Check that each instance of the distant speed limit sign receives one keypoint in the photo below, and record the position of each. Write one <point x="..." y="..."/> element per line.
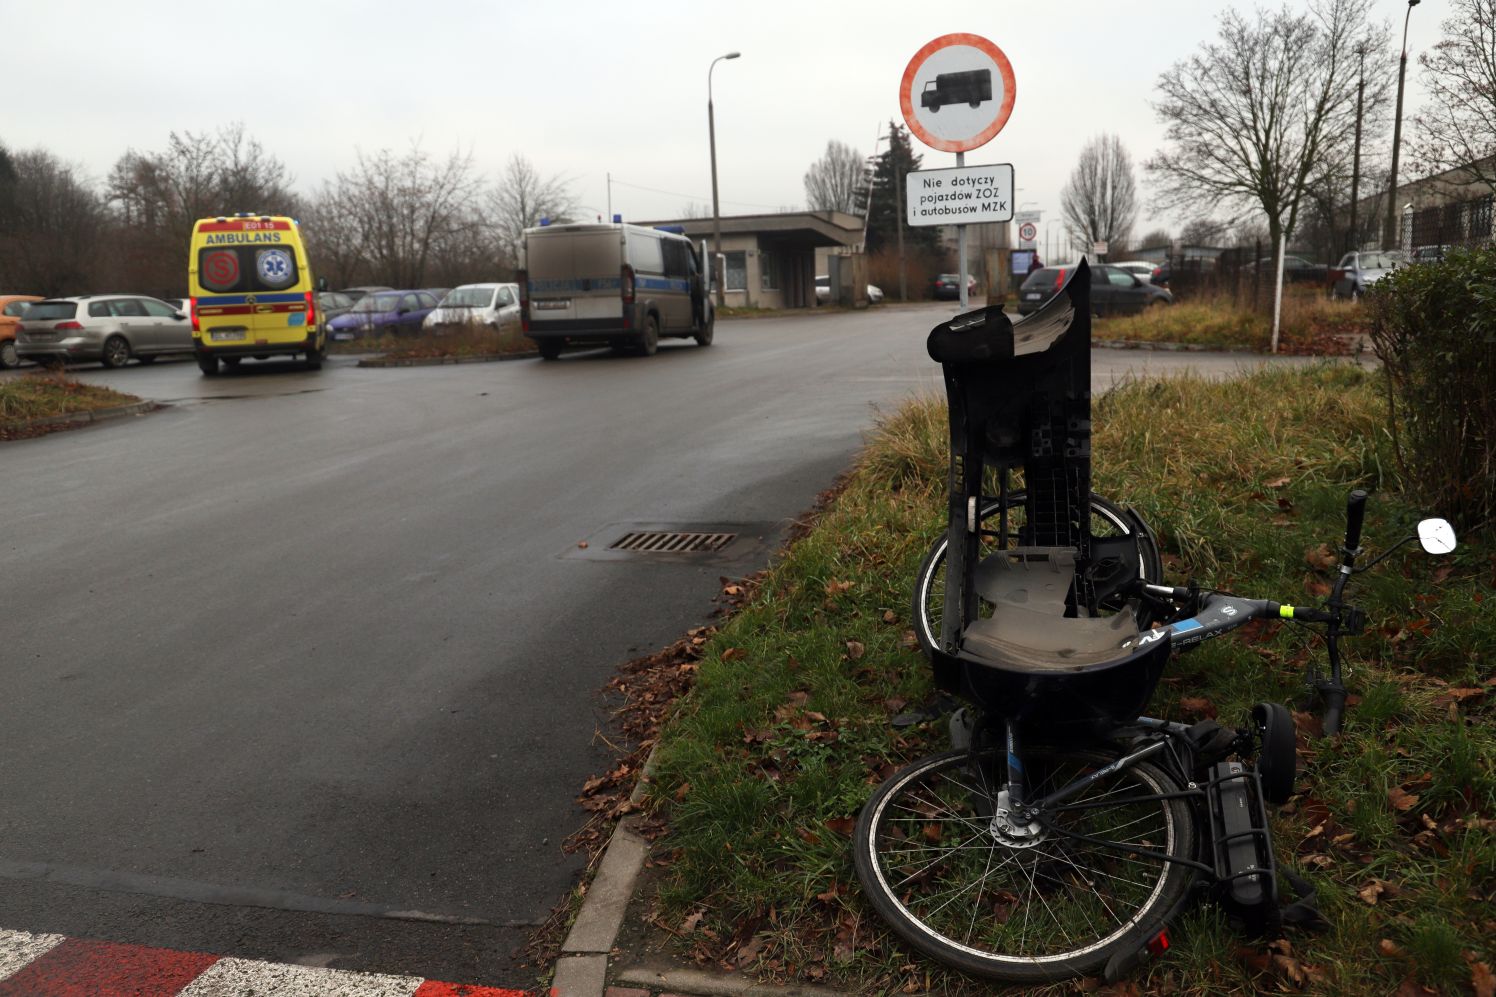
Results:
<point x="1028" y="231"/>
<point x="957" y="92"/>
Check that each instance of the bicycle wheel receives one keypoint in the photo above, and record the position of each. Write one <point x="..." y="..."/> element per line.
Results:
<point x="1107" y="520"/>
<point x="941" y="864"/>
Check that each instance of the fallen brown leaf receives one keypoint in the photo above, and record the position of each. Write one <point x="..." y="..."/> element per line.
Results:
<point x="1321" y="558"/>
<point x="1390" y="948"/>
<point x="855" y="649"/>
<point x="1276" y="482"/>
<point x="843" y="826"/>
<point x="582" y="544"/>
<point x="889" y="616"/>
<point x="1198" y="706"/>
<point x="1401" y="800"/>
<point x="1481" y="978"/>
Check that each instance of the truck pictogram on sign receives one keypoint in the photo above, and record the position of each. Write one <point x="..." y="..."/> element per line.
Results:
<point x="970" y="87"/>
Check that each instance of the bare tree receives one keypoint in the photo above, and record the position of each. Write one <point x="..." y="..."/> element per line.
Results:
<point x="832" y="182"/>
<point x="156" y="197"/>
<point x="1100" y="200"/>
<point x="1252" y="116"/>
<point x="1154" y="239"/>
<point x="1456" y="128"/>
<point x="52" y="230"/>
<point x="396" y="210"/>
<point x="522" y="198"/>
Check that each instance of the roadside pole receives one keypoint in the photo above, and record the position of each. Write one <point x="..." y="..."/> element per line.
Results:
<point x="961" y="243"/>
<point x="1278" y="295"/>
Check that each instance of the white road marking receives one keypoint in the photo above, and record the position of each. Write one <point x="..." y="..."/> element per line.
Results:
<point x="248" y="978"/>
<point x="17" y="948"/>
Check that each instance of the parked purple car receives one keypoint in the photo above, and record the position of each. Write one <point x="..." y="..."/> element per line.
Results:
<point x="399" y="312"/>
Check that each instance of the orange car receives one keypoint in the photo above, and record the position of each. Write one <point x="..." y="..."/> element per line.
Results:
<point x="12" y="308"/>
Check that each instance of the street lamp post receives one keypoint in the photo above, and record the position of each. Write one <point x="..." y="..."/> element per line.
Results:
<point x="711" y="125"/>
<point x="1402" y="70"/>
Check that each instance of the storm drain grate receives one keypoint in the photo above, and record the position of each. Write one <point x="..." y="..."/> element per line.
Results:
<point x="662" y="542"/>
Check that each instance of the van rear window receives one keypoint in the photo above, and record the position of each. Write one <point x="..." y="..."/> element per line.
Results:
<point x="226" y="269"/>
<point x="51" y="311"/>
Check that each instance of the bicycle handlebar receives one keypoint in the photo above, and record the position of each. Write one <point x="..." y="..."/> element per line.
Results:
<point x="1355" y="512"/>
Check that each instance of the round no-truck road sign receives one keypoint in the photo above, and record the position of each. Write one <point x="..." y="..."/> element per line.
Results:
<point x="1028" y="231"/>
<point x="957" y="92"/>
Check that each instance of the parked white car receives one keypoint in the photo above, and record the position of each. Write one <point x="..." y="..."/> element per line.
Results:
<point x="494" y="305"/>
<point x="823" y="291"/>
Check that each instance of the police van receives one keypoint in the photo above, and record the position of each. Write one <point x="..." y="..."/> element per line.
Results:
<point x="618" y="285"/>
<point x="252" y="292"/>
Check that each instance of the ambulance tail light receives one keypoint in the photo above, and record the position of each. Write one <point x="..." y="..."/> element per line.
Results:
<point x="522" y="277"/>
<point x="628" y="284"/>
<point x="192" y="313"/>
<point x="1059" y="281"/>
<point x="311" y="311"/>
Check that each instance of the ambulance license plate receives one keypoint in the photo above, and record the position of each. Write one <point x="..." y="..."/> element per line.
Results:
<point x="219" y="335"/>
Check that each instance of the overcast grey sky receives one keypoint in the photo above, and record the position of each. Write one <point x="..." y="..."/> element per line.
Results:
<point x="589" y="88"/>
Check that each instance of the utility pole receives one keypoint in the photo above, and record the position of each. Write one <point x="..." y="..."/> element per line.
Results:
<point x="898" y="186"/>
<point x="1353" y="241"/>
<point x="1394" y="238"/>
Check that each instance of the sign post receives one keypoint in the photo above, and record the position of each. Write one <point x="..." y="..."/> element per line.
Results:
<point x="964" y="88"/>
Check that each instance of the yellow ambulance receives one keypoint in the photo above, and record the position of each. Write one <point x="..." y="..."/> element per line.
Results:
<point x="252" y="292"/>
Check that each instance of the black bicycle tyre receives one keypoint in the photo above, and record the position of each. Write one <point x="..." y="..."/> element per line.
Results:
<point x="1277" y="752"/>
<point x="1150" y="566"/>
<point x="1163" y="896"/>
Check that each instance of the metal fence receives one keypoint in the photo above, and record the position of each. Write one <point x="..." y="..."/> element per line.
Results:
<point x="1461" y="223"/>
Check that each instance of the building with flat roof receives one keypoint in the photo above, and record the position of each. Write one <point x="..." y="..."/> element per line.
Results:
<point x="770" y="259"/>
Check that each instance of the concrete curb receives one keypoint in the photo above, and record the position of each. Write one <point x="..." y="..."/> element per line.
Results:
<point x="1144" y="344"/>
<point x="442" y="361"/>
<point x="678" y="980"/>
<point x="91" y="415"/>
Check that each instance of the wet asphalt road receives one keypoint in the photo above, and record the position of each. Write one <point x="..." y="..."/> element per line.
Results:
<point x="306" y="649"/>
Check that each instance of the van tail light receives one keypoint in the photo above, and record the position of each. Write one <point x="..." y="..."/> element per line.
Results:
<point x="68" y="327"/>
<point x="311" y="311"/>
<point x="192" y="314"/>
<point x="628" y="284"/>
<point x="523" y="279"/>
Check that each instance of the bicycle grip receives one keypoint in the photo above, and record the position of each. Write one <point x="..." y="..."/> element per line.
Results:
<point x="1355" y="512"/>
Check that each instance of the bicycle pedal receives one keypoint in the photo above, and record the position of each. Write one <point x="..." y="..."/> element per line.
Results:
<point x="1243" y="844"/>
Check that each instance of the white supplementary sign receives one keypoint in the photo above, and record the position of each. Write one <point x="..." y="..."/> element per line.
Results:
<point x="957" y="92"/>
<point x="964" y="195"/>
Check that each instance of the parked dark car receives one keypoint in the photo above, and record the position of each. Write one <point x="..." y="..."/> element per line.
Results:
<point x="1114" y="291"/>
<point x="331" y="304"/>
<point x="383" y="311"/>
<point x="1296" y="270"/>
<point x="947" y="286"/>
<point x="357" y="293"/>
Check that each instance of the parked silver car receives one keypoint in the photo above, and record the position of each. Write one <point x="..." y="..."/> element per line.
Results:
<point x="109" y="328"/>
<point x="1357" y="271"/>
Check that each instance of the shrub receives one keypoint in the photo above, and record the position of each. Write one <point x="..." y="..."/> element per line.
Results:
<point x="1434" y="329"/>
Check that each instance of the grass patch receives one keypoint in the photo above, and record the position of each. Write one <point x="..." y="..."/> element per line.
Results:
<point x="1311" y="324"/>
<point x="446" y="341"/>
<point x="786" y="732"/>
<point x="39" y="394"/>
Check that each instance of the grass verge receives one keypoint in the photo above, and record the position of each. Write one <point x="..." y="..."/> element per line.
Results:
<point x="1311" y="325"/>
<point x="40" y="394"/>
<point x="765" y="764"/>
<point x="447" y="341"/>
